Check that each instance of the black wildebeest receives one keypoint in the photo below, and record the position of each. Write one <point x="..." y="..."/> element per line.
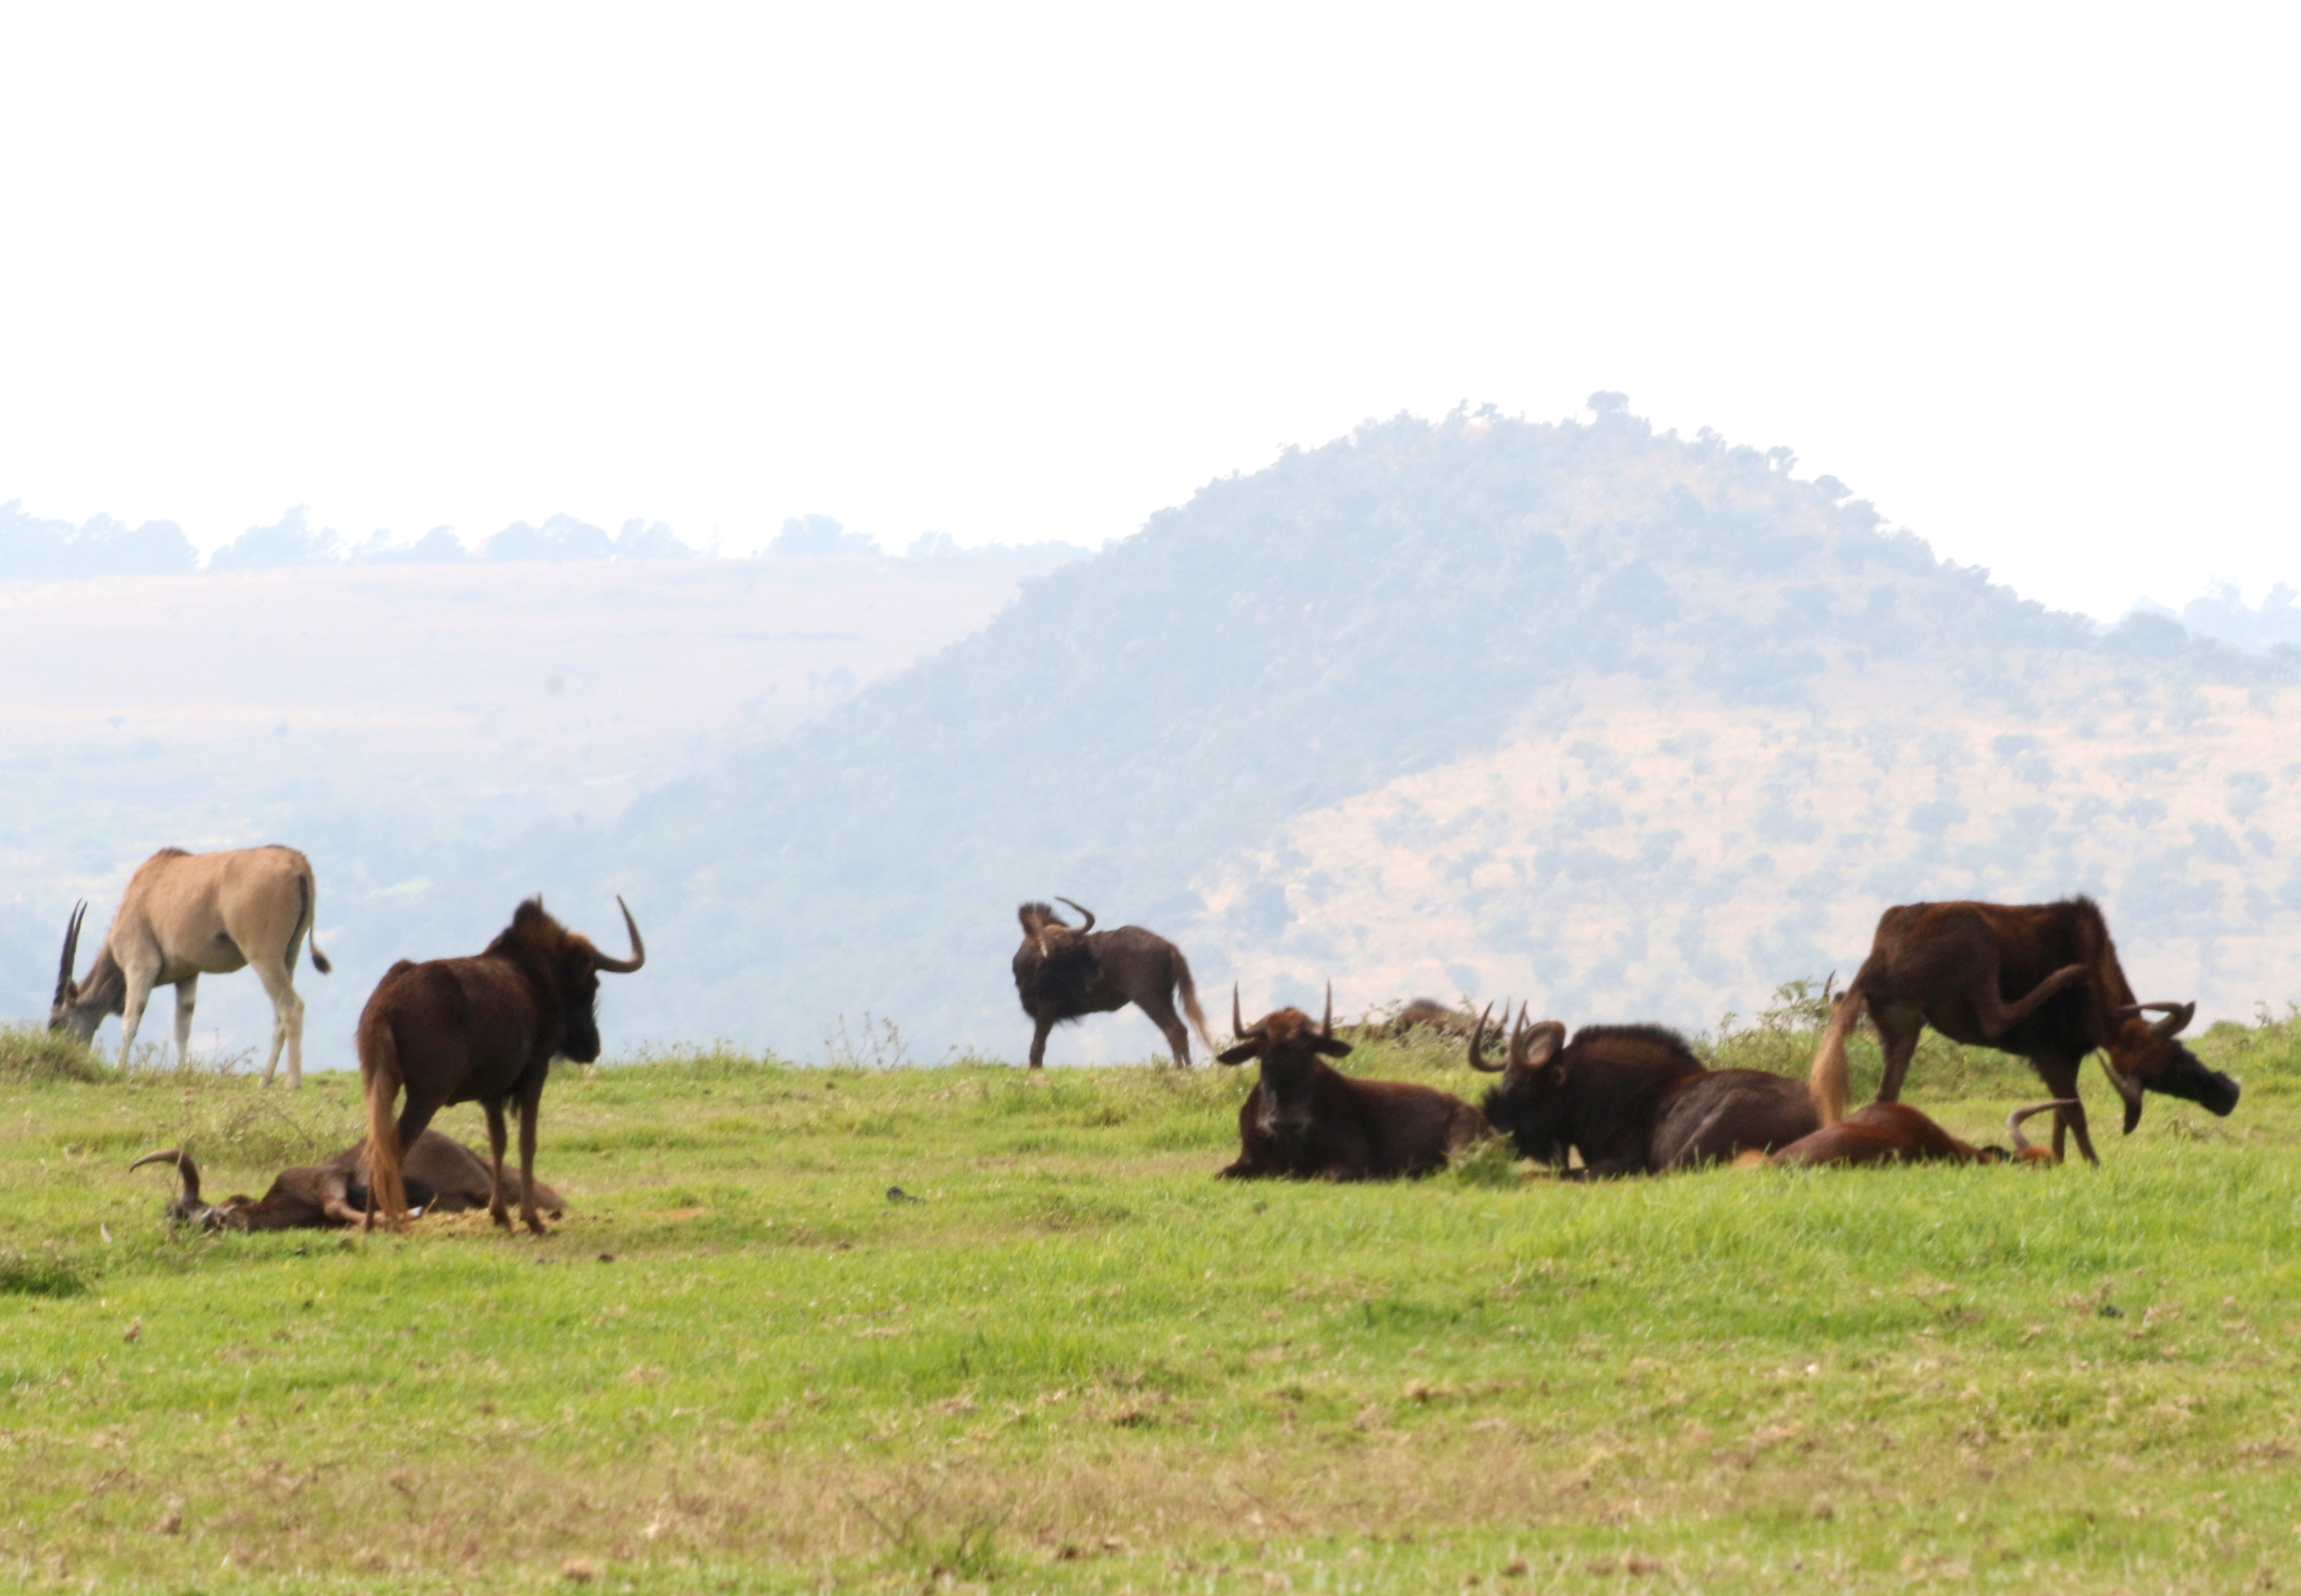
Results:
<point x="1306" y="1119"/>
<point x="1427" y="1013"/>
<point x="481" y="1030"/>
<point x="185" y="915"/>
<point x="441" y="1176"/>
<point x="1065" y="973"/>
<point x="1897" y="1134"/>
<point x="1632" y="1099"/>
<point x="2038" y="981"/>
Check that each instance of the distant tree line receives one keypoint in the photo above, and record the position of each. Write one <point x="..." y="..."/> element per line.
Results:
<point x="34" y="549"/>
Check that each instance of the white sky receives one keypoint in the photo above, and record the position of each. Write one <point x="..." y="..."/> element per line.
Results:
<point x="2024" y="277"/>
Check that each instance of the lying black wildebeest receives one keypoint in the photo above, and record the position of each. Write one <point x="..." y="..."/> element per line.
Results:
<point x="1064" y="972"/>
<point x="1897" y="1134"/>
<point x="1429" y="1013"/>
<point x="1305" y="1119"/>
<point x="441" y="1174"/>
<point x="1632" y="1099"/>
<point x="481" y="1030"/>
<point x="2038" y="981"/>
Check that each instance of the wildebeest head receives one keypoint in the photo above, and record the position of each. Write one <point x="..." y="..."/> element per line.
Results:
<point x="2144" y="1056"/>
<point x="78" y="1008"/>
<point x="1528" y="1104"/>
<point x="187" y="1208"/>
<point x="1049" y="932"/>
<point x="1290" y="1047"/>
<point x="574" y="964"/>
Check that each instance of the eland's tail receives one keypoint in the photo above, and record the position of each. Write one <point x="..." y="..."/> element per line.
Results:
<point x="1831" y="1080"/>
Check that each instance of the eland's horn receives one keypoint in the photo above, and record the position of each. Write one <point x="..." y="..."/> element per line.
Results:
<point x="186" y="1170"/>
<point x="1478" y="1059"/>
<point x="71" y="950"/>
<point x="623" y="966"/>
<point x="1087" y="913"/>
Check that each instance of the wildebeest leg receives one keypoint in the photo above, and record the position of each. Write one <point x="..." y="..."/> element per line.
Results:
<point x="1160" y="1008"/>
<point x="499" y="1211"/>
<point x="188" y="993"/>
<point x="286" y="1022"/>
<point x="1898" y="1030"/>
<point x="1039" y="1042"/>
<point x="531" y="1099"/>
<point x="2060" y="1078"/>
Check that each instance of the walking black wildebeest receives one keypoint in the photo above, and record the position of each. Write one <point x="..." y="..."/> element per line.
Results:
<point x="1632" y="1099"/>
<point x="186" y="915"/>
<point x="2038" y="981"/>
<point x="441" y="1176"/>
<point x="1065" y="973"/>
<point x="481" y="1030"/>
<point x="1305" y="1119"/>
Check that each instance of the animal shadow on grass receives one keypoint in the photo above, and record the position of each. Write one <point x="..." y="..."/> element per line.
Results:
<point x="928" y="1530"/>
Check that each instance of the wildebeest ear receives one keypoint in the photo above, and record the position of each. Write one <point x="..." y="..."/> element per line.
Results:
<point x="1333" y="1047"/>
<point x="1240" y="1053"/>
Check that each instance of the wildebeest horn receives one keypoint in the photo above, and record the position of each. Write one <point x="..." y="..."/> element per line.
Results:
<point x="1238" y="1021"/>
<point x="2128" y="1088"/>
<point x="2177" y="1019"/>
<point x="186" y="1169"/>
<point x="71" y="950"/>
<point x="1327" y="1025"/>
<point x="623" y="966"/>
<point x="1546" y="1035"/>
<point x="1082" y="909"/>
<point x="2013" y="1120"/>
<point x="1478" y="1059"/>
<point x="1826" y="987"/>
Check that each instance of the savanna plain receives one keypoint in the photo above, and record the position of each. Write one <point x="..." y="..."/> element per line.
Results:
<point x="969" y="1327"/>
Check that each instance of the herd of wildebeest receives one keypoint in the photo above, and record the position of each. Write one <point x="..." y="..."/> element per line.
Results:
<point x="2041" y="981"/>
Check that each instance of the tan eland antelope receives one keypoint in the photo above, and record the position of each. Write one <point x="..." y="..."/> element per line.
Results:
<point x="185" y="915"/>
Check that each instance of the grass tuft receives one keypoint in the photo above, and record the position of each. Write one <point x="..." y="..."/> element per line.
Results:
<point x="38" y="1274"/>
<point x="36" y="1053"/>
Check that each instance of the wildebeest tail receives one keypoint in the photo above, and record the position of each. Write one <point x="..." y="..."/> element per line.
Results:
<point x="1831" y="1080"/>
<point x="1190" y="1001"/>
<point x="312" y="924"/>
<point x="379" y="1056"/>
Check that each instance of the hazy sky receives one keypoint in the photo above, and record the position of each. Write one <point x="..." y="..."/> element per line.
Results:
<point x="2024" y="277"/>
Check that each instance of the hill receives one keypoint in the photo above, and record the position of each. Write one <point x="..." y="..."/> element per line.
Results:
<point x="1623" y="723"/>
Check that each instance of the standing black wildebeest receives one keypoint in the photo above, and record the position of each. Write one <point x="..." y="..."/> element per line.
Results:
<point x="1306" y="1119"/>
<point x="1065" y="973"/>
<point x="1632" y="1099"/>
<point x="186" y="915"/>
<point x="481" y="1030"/>
<point x="441" y="1176"/>
<point x="2038" y="981"/>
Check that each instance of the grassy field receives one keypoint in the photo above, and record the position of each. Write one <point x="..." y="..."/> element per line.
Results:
<point x="1078" y="1363"/>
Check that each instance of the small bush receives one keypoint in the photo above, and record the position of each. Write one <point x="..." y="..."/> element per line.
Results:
<point x="35" y="1053"/>
<point x="1492" y="1163"/>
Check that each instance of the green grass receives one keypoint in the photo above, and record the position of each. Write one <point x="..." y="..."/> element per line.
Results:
<point x="1082" y="1364"/>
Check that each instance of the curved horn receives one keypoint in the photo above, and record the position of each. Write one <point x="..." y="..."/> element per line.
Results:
<point x="71" y="950"/>
<point x="2014" y="1121"/>
<point x="1826" y="988"/>
<point x="1546" y="1035"/>
<point x="623" y="966"/>
<point x="2177" y="1019"/>
<point x="2128" y="1088"/>
<point x="188" y="1171"/>
<point x="1478" y="1059"/>
<point x="1082" y="909"/>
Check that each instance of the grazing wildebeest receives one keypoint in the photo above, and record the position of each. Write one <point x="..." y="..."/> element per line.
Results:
<point x="1632" y="1099"/>
<point x="185" y="915"/>
<point x="1897" y="1134"/>
<point x="1305" y="1119"/>
<point x="481" y="1030"/>
<point x="441" y="1176"/>
<point x="2038" y="981"/>
<point x="1064" y="972"/>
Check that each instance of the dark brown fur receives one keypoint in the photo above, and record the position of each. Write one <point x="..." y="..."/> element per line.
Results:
<point x="1306" y="1120"/>
<point x="2038" y="981"/>
<point x="1065" y="973"/>
<point x="441" y="1176"/>
<point x="481" y="1030"/>
<point x="1633" y="1100"/>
